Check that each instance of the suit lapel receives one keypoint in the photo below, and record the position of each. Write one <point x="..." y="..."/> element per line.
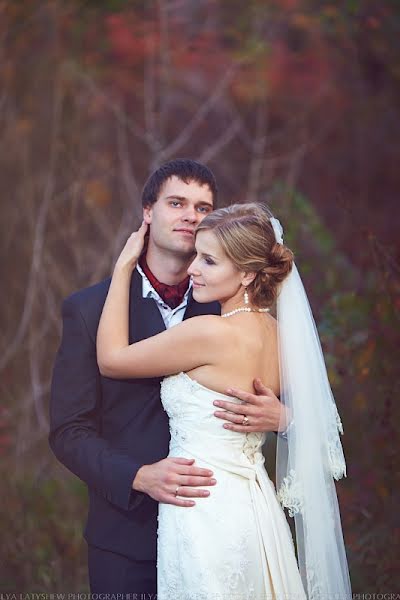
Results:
<point x="145" y="319"/>
<point x="195" y="309"/>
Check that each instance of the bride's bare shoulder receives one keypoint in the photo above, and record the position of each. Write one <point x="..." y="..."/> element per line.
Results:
<point x="271" y="329"/>
<point x="204" y="331"/>
<point x="207" y="326"/>
<point x="207" y="322"/>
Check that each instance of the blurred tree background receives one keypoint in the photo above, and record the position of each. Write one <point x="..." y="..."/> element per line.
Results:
<point x="292" y="102"/>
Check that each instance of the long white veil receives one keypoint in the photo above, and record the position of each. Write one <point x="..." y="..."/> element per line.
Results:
<point x="310" y="454"/>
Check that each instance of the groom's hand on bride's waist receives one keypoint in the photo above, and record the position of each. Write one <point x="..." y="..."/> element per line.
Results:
<point x="259" y="412"/>
<point x="174" y="481"/>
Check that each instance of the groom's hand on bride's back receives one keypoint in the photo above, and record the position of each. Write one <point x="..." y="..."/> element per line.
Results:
<point x="259" y="412"/>
<point x="174" y="481"/>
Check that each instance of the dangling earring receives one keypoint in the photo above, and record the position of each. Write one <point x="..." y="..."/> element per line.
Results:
<point x="246" y="296"/>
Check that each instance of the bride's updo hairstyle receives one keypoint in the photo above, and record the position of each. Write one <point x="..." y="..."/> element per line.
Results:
<point x="248" y="239"/>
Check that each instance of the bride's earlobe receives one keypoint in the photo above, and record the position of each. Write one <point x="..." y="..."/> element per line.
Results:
<point x="248" y="278"/>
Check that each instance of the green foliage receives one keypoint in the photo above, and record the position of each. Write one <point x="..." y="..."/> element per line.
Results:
<point x="43" y="549"/>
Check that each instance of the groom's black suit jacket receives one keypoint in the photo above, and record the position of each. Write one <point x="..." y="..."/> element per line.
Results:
<point x="104" y="430"/>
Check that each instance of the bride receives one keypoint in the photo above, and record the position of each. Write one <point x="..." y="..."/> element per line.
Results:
<point x="237" y="544"/>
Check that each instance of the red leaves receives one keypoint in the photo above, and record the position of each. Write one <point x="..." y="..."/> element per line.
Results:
<point x="130" y="40"/>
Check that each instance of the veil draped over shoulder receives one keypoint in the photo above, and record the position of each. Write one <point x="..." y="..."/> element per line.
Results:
<point x="309" y="455"/>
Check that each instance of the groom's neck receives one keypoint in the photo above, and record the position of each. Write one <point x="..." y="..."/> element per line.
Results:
<point x="167" y="268"/>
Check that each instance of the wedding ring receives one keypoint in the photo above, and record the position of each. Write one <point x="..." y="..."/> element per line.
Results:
<point x="176" y="491"/>
<point x="245" y="420"/>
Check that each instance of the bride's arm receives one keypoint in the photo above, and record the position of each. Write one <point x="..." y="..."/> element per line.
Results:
<point x="193" y="343"/>
<point x="181" y="348"/>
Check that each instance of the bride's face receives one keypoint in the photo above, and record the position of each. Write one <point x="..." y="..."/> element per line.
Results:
<point x="214" y="275"/>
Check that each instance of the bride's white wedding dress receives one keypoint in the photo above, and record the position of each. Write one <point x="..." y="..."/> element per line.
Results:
<point x="235" y="544"/>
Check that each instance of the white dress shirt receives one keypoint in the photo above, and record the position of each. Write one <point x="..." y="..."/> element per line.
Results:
<point x="171" y="316"/>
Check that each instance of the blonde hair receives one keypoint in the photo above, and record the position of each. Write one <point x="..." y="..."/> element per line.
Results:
<point x="248" y="239"/>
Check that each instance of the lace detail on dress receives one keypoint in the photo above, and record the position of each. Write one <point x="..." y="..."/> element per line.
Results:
<point x="171" y="393"/>
<point x="235" y="569"/>
<point x="171" y="567"/>
<point x="176" y="408"/>
<point x="290" y="494"/>
<point x="178" y="434"/>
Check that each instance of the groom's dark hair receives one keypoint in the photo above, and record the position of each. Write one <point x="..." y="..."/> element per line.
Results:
<point x="185" y="169"/>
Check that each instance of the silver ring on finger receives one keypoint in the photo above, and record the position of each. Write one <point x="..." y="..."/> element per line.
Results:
<point x="245" y="420"/>
<point x="176" y="491"/>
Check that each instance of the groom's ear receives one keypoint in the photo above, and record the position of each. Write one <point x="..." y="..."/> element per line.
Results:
<point x="147" y="214"/>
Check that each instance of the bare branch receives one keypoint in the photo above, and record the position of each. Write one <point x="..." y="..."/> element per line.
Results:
<point x="185" y="135"/>
<point x="258" y="151"/>
<point x="113" y="106"/>
<point x="212" y="151"/>
<point x="39" y="234"/>
<point x="164" y="54"/>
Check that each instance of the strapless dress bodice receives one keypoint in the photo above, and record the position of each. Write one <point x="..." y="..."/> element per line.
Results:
<point x="194" y="427"/>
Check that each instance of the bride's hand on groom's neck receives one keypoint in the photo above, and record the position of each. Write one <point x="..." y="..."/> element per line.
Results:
<point x="132" y="250"/>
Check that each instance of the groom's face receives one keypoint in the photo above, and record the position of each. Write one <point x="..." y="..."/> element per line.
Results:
<point x="175" y="215"/>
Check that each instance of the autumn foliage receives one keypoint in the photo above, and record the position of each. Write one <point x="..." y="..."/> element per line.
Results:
<point x="292" y="102"/>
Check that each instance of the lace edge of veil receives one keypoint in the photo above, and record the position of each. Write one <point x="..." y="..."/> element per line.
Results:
<point x="290" y="493"/>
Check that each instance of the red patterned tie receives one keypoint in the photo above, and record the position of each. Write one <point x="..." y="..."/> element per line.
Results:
<point x="171" y="294"/>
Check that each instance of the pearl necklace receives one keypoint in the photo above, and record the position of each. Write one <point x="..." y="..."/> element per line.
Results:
<point x="245" y="309"/>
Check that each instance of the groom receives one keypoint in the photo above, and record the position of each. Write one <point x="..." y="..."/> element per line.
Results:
<point x="113" y="434"/>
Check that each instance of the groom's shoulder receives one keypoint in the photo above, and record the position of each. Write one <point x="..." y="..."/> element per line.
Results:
<point x="88" y="303"/>
<point x="89" y="296"/>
